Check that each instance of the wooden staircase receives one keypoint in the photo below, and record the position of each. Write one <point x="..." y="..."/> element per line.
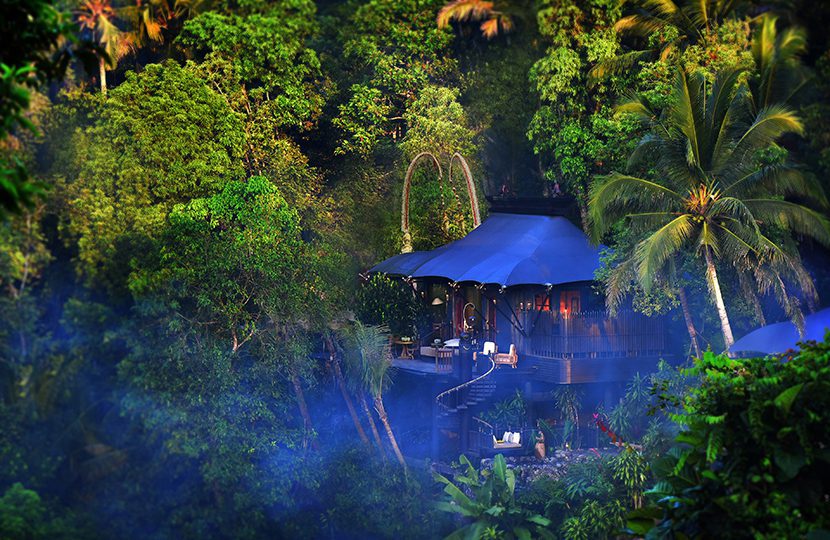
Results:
<point x="463" y="399"/>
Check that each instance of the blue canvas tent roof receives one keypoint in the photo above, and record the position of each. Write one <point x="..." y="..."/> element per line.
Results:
<point x="507" y="249"/>
<point x="778" y="337"/>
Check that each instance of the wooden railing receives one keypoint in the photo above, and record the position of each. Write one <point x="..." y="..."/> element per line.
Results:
<point x="590" y="334"/>
<point x="443" y="361"/>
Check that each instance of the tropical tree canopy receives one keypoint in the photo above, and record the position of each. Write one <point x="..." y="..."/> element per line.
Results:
<point x="709" y="192"/>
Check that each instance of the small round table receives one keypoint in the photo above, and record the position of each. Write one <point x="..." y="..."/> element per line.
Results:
<point x="406" y="351"/>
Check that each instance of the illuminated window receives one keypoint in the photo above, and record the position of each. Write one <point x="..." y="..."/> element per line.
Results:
<point x="569" y="302"/>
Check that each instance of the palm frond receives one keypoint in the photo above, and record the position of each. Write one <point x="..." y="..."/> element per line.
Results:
<point x="619" y="64"/>
<point x="780" y="73"/>
<point x="769" y="124"/>
<point x="736" y="241"/>
<point x="464" y="10"/>
<point x="664" y="8"/>
<point x="674" y="14"/>
<point x="371" y="355"/>
<point x="783" y="179"/>
<point x="652" y="253"/>
<point x="686" y="112"/>
<point x="615" y="195"/>
<point x="708" y="239"/>
<point x="648" y="145"/>
<point x="618" y="283"/>
<point x="720" y="114"/>
<point x="639" y="25"/>
<point x="734" y="209"/>
<point x="639" y="106"/>
<point x="793" y="217"/>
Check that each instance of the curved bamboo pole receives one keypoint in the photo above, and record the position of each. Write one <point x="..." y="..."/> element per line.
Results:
<point x="468" y="178"/>
<point x="471" y="187"/>
<point x="407" y="236"/>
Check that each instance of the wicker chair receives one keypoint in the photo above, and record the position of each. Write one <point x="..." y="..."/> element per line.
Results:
<point x="511" y="358"/>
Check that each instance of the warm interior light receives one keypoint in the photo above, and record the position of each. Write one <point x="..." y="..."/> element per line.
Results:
<point x="437" y="301"/>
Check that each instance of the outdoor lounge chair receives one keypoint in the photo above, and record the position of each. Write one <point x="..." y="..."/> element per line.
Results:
<point x="510" y="358"/>
<point x="489" y="348"/>
<point x="508" y="440"/>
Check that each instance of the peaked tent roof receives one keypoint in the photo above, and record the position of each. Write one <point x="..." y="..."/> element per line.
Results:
<point x="507" y="249"/>
<point x="778" y="337"/>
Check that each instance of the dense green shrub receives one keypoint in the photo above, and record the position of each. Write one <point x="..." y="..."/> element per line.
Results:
<point x="392" y="303"/>
<point x="25" y="516"/>
<point x="753" y="458"/>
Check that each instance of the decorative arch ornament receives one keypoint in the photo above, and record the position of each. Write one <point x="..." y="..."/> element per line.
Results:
<point x="468" y="178"/>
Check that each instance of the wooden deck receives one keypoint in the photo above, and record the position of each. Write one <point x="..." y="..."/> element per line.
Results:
<point x="552" y="370"/>
<point x="426" y="365"/>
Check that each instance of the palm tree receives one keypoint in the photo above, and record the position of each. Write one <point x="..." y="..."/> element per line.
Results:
<point x="98" y="16"/>
<point x="493" y="21"/>
<point x="711" y="195"/>
<point x="683" y="23"/>
<point x="150" y="18"/>
<point x="334" y="363"/>
<point x="371" y="346"/>
<point x="779" y="74"/>
<point x="354" y="368"/>
<point x="568" y="400"/>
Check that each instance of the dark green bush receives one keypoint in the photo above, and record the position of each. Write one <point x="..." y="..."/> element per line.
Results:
<point x="753" y="458"/>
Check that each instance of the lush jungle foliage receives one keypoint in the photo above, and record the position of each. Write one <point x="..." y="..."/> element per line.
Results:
<point x="192" y="191"/>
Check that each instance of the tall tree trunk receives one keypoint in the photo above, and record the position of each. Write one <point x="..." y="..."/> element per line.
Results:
<point x="375" y="433"/>
<point x="102" y="75"/>
<point x="714" y="285"/>
<point x="308" y="427"/>
<point x="687" y="315"/>
<point x="338" y="374"/>
<point x="384" y="418"/>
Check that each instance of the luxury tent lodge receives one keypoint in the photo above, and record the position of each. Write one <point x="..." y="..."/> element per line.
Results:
<point x="525" y="281"/>
<point x="515" y="308"/>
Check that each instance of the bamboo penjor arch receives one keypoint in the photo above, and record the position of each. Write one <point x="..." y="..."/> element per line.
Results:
<point x="468" y="178"/>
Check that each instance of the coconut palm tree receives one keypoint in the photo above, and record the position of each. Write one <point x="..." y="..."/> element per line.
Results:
<point x="710" y="195"/>
<point x="779" y="74"/>
<point x="371" y="346"/>
<point x="493" y="21"/>
<point x="98" y="16"/>
<point x="681" y="23"/>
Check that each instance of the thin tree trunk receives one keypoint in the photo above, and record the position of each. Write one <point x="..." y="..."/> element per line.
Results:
<point x="372" y="425"/>
<point x="102" y="75"/>
<point x="384" y="418"/>
<point x="583" y="215"/>
<point x="759" y="311"/>
<point x="714" y="285"/>
<point x="308" y="427"/>
<point x="338" y="374"/>
<point x="687" y="315"/>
